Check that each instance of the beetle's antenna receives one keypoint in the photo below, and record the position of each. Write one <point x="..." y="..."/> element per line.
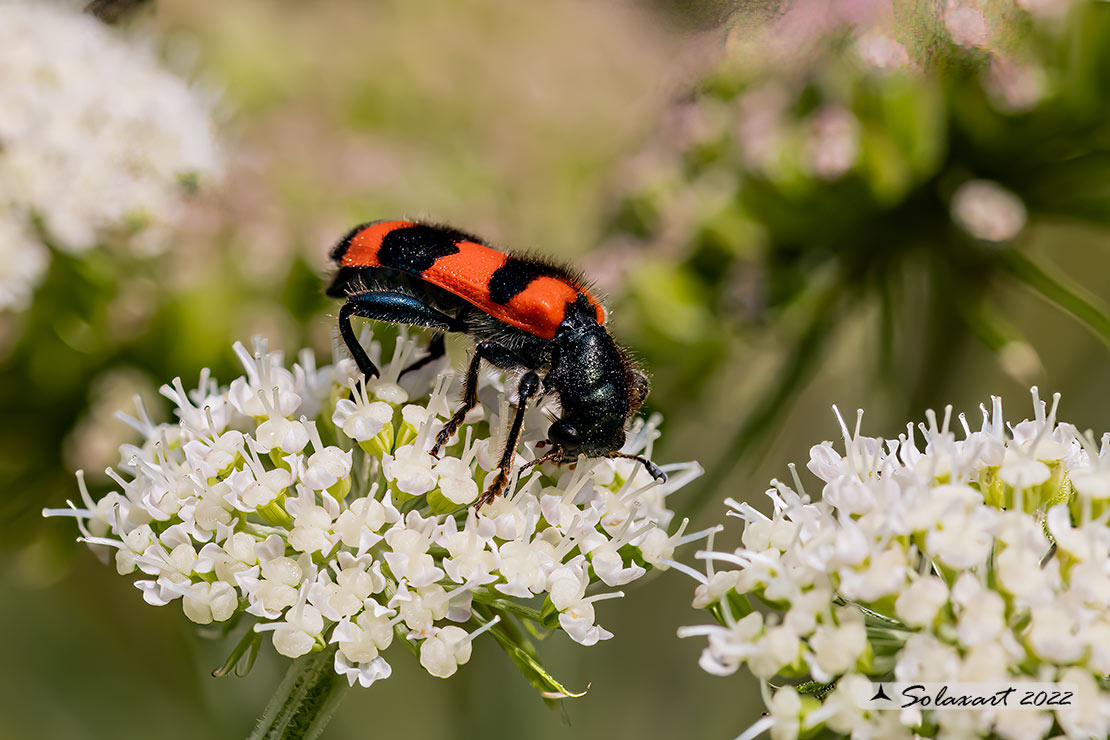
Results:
<point x="655" y="471"/>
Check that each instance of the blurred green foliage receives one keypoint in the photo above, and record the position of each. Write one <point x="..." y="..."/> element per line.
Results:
<point x="802" y="187"/>
<point x="756" y="289"/>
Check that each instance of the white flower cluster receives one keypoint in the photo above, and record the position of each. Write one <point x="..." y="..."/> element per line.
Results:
<point x="982" y="557"/>
<point x="310" y="502"/>
<point x="95" y="137"/>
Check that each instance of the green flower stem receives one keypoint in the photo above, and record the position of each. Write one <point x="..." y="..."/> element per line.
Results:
<point x="1059" y="291"/>
<point x="305" y="701"/>
<point x="505" y="605"/>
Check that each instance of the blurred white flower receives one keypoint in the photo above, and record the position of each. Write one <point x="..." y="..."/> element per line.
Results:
<point x="95" y="138"/>
<point x="23" y="259"/>
<point x="988" y="211"/>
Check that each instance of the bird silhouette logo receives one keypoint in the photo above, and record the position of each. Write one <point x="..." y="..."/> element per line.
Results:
<point x="880" y="694"/>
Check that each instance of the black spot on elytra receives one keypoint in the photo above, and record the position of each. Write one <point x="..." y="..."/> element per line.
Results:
<point x="514" y="276"/>
<point x="416" y="248"/>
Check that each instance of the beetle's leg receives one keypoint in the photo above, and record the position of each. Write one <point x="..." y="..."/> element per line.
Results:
<point x="470" y="400"/>
<point x="496" y="355"/>
<point x="529" y="387"/>
<point x="653" y="470"/>
<point x="436" y="349"/>
<point x="396" y="308"/>
<point x="555" y="456"/>
<point x="365" y="364"/>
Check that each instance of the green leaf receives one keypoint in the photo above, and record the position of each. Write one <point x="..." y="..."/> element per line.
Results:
<point x="531" y="669"/>
<point x="247" y="646"/>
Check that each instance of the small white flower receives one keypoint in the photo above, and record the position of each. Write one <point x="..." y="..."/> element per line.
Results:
<point x="359" y="418"/>
<point x="214" y="457"/>
<point x="836" y="648"/>
<point x="268" y="390"/>
<point x="471" y="560"/>
<point x="524" y="566"/>
<point x="409" y="559"/>
<point x="209" y="602"/>
<point x="361" y="639"/>
<point x="777" y="648"/>
<point x="919" y="603"/>
<point x="298" y="633"/>
<point x="446" y="650"/>
<point x="281" y="435"/>
<point x="785" y="708"/>
<point x="365" y="673"/>
<point x="358" y="526"/>
<point x="411" y="469"/>
<point x="325" y="468"/>
<point x="259" y="487"/>
<point x="456" y="480"/>
<point x="1055" y="634"/>
<point x="277" y="588"/>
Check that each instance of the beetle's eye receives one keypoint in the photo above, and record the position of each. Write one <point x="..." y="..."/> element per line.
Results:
<point x="562" y="433"/>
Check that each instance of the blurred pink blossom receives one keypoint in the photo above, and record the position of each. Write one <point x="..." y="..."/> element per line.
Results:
<point x="881" y="52"/>
<point x="832" y="145"/>
<point x="967" y="25"/>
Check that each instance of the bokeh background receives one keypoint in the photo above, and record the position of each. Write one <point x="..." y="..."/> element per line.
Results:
<point x="789" y="205"/>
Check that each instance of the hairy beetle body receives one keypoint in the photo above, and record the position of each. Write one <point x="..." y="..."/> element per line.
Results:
<point x="523" y="313"/>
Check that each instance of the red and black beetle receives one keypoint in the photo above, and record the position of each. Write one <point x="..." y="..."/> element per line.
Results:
<point x="523" y="313"/>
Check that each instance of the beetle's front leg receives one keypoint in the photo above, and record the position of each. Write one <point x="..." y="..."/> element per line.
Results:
<point x="470" y="400"/>
<point x="528" y="388"/>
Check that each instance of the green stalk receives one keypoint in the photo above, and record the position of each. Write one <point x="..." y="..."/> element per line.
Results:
<point x="1067" y="296"/>
<point x="305" y="701"/>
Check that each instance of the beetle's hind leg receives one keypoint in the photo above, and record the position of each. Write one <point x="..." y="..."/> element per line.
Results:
<point x="528" y="388"/>
<point x="396" y="308"/>
<point x="365" y="364"/>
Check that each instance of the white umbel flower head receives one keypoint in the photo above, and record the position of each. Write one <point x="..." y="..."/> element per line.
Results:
<point x="983" y="555"/>
<point x="291" y="499"/>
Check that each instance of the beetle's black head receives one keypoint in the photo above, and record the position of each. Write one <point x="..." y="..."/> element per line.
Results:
<point x="582" y="435"/>
<point x="599" y="387"/>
